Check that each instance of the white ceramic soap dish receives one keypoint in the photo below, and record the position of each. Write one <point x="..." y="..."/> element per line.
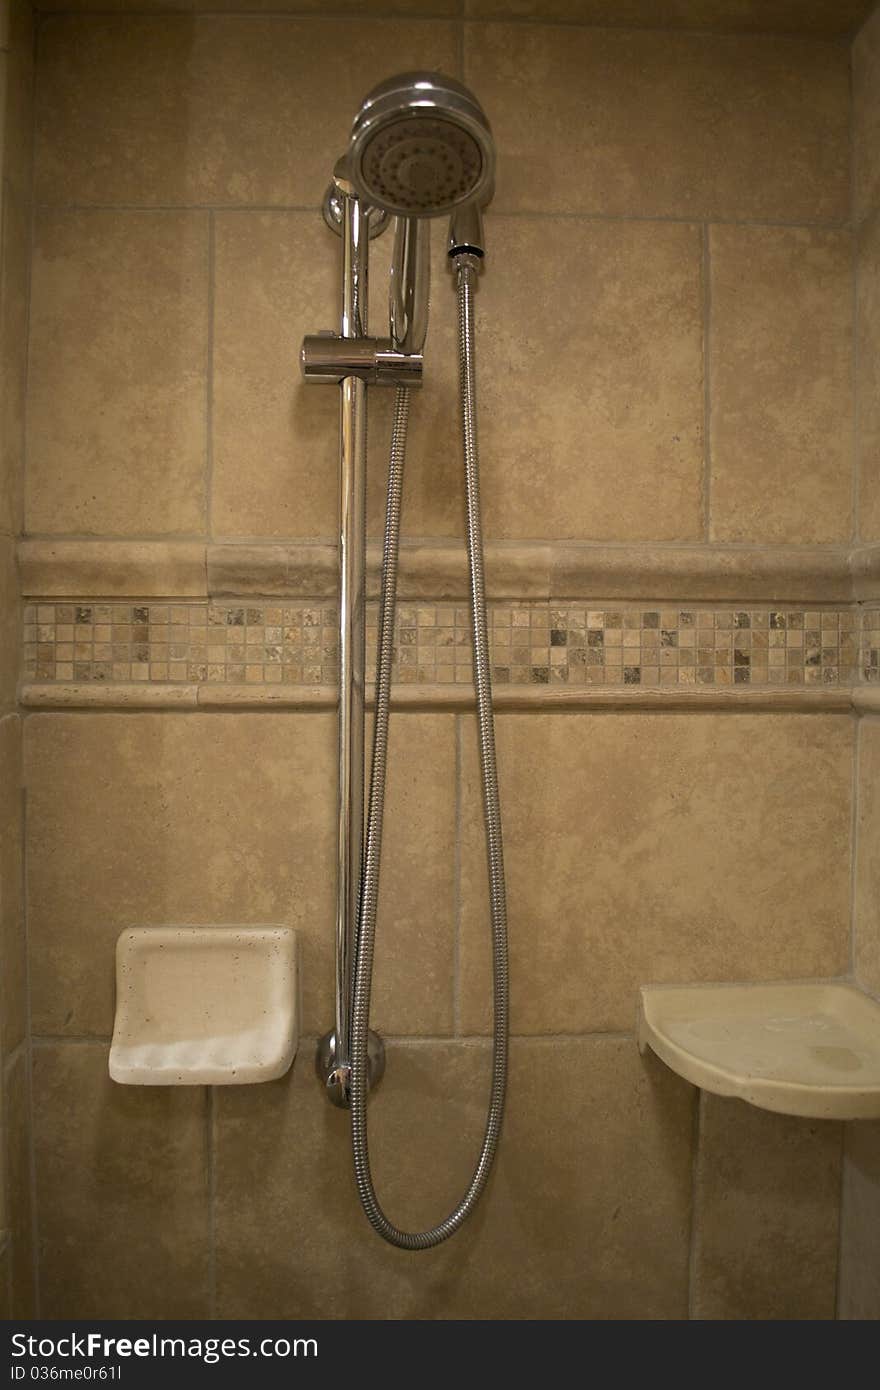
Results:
<point x="204" y="1006"/>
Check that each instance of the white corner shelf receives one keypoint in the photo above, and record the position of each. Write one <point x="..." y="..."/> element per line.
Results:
<point x="799" y="1049"/>
<point x="204" y="1006"/>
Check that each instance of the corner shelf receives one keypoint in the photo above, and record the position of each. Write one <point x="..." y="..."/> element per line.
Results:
<point x="799" y="1049"/>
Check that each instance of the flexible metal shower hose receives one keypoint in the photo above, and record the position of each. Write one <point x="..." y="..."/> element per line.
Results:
<point x="465" y="270"/>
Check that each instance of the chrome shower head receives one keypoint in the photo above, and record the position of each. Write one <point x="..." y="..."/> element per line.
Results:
<point x="421" y="146"/>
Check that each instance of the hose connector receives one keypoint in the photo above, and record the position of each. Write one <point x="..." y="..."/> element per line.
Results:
<point x="466" y="232"/>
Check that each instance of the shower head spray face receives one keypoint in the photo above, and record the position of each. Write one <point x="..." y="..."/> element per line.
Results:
<point x="421" y="146"/>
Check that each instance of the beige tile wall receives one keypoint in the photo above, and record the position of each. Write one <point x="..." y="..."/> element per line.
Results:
<point x="866" y="118"/>
<point x="130" y="1233"/>
<point x="613" y="448"/>
<point x="766" y="1216"/>
<point x="867" y="885"/>
<point x="260" y="851"/>
<point x="651" y="848"/>
<point x="860" y="1234"/>
<point x="274" y="444"/>
<point x="116" y="393"/>
<point x="830" y="17"/>
<point x="868" y="374"/>
<point x="287" y="1224"/>
<point x="628" y="162"/>
<point x="860" y="1224"/>
<point x="171" y="110"/>
<point x="821" y="18"/>
<point x="14" y="276"/>
<point x="10" y="626"/>
<point x="13" y="970"/>
<point x="148" y="819"/>
<point x="780" y="364"/>
<point x="16" y="117"/>
<point x="628" y="123"/>
<point x="179" y="257"/>
<point x="616" y="1246"/>
<point x="866" y="215"/>
<point x="18" y="1103"/>
<point x="860" y="1243"/>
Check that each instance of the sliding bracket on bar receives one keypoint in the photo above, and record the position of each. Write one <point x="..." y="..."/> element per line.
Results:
<point x="326" y="359"/>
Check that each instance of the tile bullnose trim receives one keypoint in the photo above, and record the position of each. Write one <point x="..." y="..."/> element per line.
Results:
<point x="440" y="697"/>
<point x="303" y="697"/>
<point x="703" y="573"/>
<point x="866" y="699"/>
<point x="438" y="570"/>
<point x="112" y="569"/>
<point x="247" y="571"/>
<point x="865" y="567"/>
<point x="63" y="695"/>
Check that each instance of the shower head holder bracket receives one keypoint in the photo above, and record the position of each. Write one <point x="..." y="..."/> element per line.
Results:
<point x="326" y="359"/>
<point x="334" y="1068"/>
<point x="333" y="212"/>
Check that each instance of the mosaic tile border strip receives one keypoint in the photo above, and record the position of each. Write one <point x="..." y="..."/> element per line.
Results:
<point x="536" y="644"/>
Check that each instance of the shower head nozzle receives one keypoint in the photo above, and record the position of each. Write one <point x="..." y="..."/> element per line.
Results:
<point x="421" y="146"/>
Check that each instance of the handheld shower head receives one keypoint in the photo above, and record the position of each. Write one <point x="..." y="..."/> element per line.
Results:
<point x="421" y="146"/>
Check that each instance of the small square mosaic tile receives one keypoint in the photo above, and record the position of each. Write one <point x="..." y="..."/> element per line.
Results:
<point x="531" y="644"/>
<point x="677" y="646"/>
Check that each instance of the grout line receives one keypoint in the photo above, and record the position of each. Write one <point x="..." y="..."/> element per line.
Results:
<point x="76" y="1039"/>
<point x="396" y="1039"/>
<point x="860" y="222"/>
<point x="794" y="36"/>
<point x="12" y="1057"/>
<point x="841" y="1207"/>
<point x="29" y="281"/>
<point x="856" y="394"/>
<point x="5" y="214"/>
<point x="544" y="215"/>
<point x="218" y="208"/>
<point x="851" y="133"/>
<point x="732" y="709"/>
<point x="437" y="1040"/>
<point x="210" y="1110"/>
<point x="456" y="900"/>
<point x="6" y="1239"/>
<point x="113" y="537"/>
<point x="35" y="1222"/>
<point x="831" y="549"/>
<point x="854" y="843"/>
<point x="854" y="365"/>
<point x="209" y="386"/>
<point x="6" y="1258"/>
<point x="194" y="13"/>
<point x="22" y="480"/>
<point x="695" y="1166"/>
<point x="199" y="11"/>
<point x="485" y="1039"/>
<point x="840" y="40"/>
<point x="706" y="267"/>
